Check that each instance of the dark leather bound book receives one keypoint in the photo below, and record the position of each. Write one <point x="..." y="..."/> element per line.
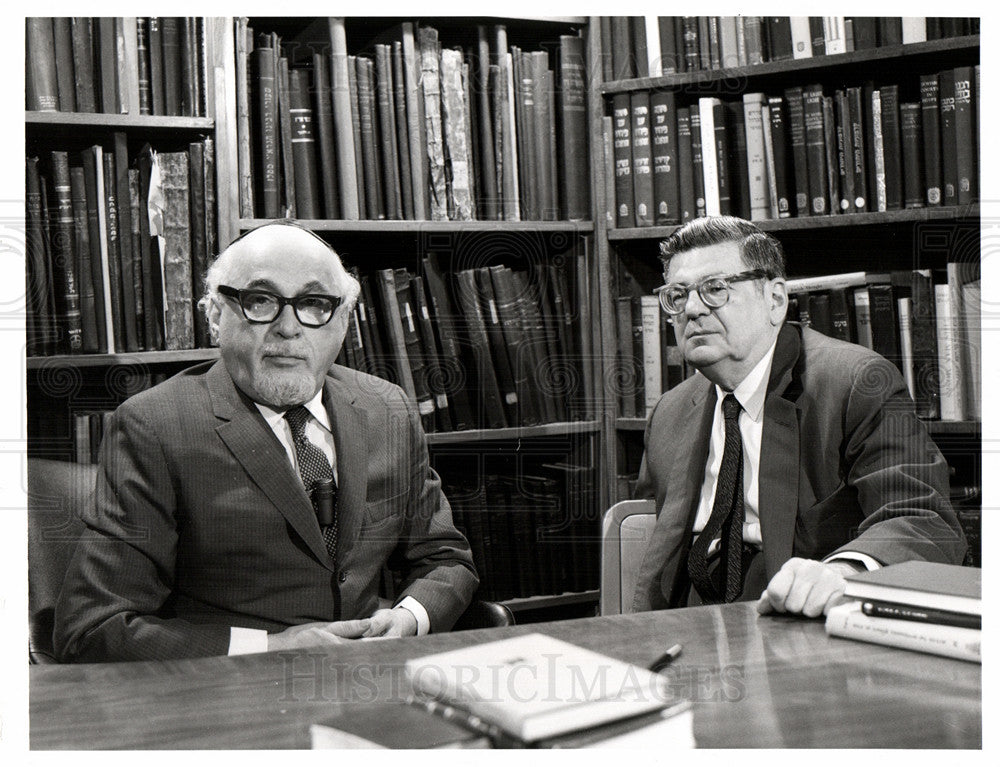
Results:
<point x="178" y="310"/>
<point x="685" y="166"/>
<point x="359" y="181"/>
<point x="949" y="136"/>
<point x="143" y="65"/>
<point x="885" y="323"/>
<point x="639" y="389"/>
<point x="627" y="367"/>
<point x="199" y="246"/>
<point x="435" y="373"/>
<point x="565" y="319"/>
<point x="574" y="159"/>
<point x="965" y="136"/>
<point x="642" y="158"/>
<point x="727" y="177"/>
<point x="83" y="64"/>
<point x="931" y="142"/>
<point x="170" y="27"/>
<point x="812" y="109"/>
<point x="459" y="181"/>
<point x="491" y="405"/>
<point x="524" y="133"/>
<point x="555" y="365"/>
<point x="624" y="194"/>
<point x="671" y="44"/>
<point x="388" y="146"/>
<point x="504" y="357"/>
<point x="783" y="180"/>
<point x="416" y="355"/>
<point x="800" y="158"/>
<point x="666" y="190"/>
<point x="41" y="86"/>
<point x="859" y="144"/>
<point x="923" y="329"/>
<point x="841" y="319"/>
<point x="845" y="153"/>
<point x="266" y="145"/>
<point x="402" y="130"/>
<point x="114" y="252"/>
<point x="63" y="239"/>
<point x="373" y="329"/>
<point x="189" y="66"/>
<point x="779" y="37"/>
<point x="865" y="32"/>
<point x="544" y="390"/>
<point x="913" y="167"/>
<point x="155" y="45"/>
<point x="622" y="49"/>
<point x="697" y="166"/>
<point x="93" y="201"/>
<point x="307" y="198"/>
<point x="107" y="63"/>
<point x="890" y="31"/>
<point x="819" y="313"/>
<point x="81" y="248"/>
<point x="142" y="315"/>
<point x="38" y="276"/>
<point x="704" y="43"/>
<point x="329" y="196"/>
<point x="447" y="324"/>
<point x="892" y="147"/>
<point x="692" y="59"/>
<point x="830" y="152"/>
<point x="640" y="49"/>
<point x="152" y="272"/>
<point x="396" y="353"/>
<point x="127" y="261"/>
<point x="65" y="77"/>
<point x="374" y="191"/>
<point x="736" y="159"/>
<point x="286" y="163"/>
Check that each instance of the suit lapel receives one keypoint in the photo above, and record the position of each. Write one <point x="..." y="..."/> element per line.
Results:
<point x="778" y="490"/>
<point x="350" y="436"/>
<point x="262" y="456"/>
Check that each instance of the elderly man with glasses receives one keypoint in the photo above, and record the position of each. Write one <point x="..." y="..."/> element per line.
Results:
<point x="251" y="504"/>
<point x="790" y="459"/>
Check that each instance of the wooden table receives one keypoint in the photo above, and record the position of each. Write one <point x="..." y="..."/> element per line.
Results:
<point x="755" y="682"/>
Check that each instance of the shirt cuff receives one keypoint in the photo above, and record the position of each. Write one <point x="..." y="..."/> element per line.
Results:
<point x="243" y="641"/>
<point x="854" y="556"/>
<point x="423" y="621"/>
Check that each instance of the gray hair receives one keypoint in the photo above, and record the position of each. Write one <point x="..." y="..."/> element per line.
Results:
<point x="758" y="250"/>
<point x="218" y="272"/>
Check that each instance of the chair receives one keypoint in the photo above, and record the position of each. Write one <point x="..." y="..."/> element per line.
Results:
<point x="484" y="615"/>
<point x="625" y="534"/>
<point x="58" y="492"/>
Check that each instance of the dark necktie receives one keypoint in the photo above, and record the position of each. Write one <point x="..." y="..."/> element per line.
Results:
<point x="726" y="520"/>
<point x="313" y="467"/>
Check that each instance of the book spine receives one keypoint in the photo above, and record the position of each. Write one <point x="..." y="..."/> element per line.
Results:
<point x="710" y="156"/>
<point x="689" y="27"/>
<point x="458" y="172"/>
<point x="906" y="612"/>
<point x="621" y="113"/>
<point x="760" y="204"/>
<point x="65" y="78"/>
<point x="431" y="84"/>
<point x="262" y="60"/>
<point x="402" y="131"/>
<point x="81" y="249"/>
<point x="114" y="252"/>
<point x="627" y="376"/>
<point x="323" y="110"/>
<point x="574" y="158"/>
<point x="950" y="380"/>
<point x="965" y="136"/>
<point x="303" y="146"/>
<point x="359" y="180"/>
<point x="910" y="137"/>
<point x="812" y="108"/>
<point x="949" y="137"/>
<point x="394" y="331"/>
<point x="881" y="191"/>
<point x="347" y="167"/>
<point x="83" y="64"/>
<point x="152" y="273"/>
<point x="642" y="174"/>
<point x="652" y="364"/>
<point x="171" y="37"/>
<point x="863" y="317"/>
<point x="41" y="85"/>
<point x="903" y="310"/>
<point x="891" y="147"/>
<point x="178" y="320"/>
<point x="506" y="373"/>
<point x="199" y="240"/>
<point x="697" y="163"/>
<point x="492" y="403"/>
<point x="37" y="275"/>
<point x="860" y="157"/>
<point x="374" y="193"/>
<point x="388" y="140"/>
<point x="800" y="161"/>
<point x="737" y="161"/>
<point x="666" y="193"/>
<point x="830" y="157"/>
<point x="142" y="314"/>
<point x="950" y="641"/>
<point x="931" y="143"/>
<point x="155" y="44"/>
<point x="845" y="154"/>
<point x="142" y="59"/>
<point x="685" y="166"/>
<point x="779" y="146"/>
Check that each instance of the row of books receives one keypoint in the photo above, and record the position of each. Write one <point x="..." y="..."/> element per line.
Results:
<point x="802" y="153"/>
<point x="488" y="347"/>
<point x="926" y="324"/>
<point x="531" y="534"/>
<point x="146" y="66"/>
<point x="651" y="46"/>
<point x="416" y="131"/>
<point x="118" y="247"/>
<point x="922" y="606"/>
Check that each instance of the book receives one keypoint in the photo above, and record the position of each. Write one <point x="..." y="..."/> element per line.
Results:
<point x="951" y="379"/>
<point x="760" y="207"/>
<point x="891" y="146"/>
<point x="430" y="80"/>
<point x="710" y="155"/>
<point x="177" y="282"/>
<point x="458" y="178"/>
<point x="386" y="124"/>
<point x="930" y="585"/>
<point x="965" y="136"/>
<point x="849" y="621"/>
<point x="41" y="87"/>
<point x="492" y="403"/>
<point x="642" y="159"/>
<point x="812" y="110"/>
<point x="898" y="611"/>
<point x="685" y="165"/>
<point x="666" y="192"/>
<point x="303" y="139"/>
<point x="347" y="165"/>
<point x="797" y="140"/>
<point x="64" y="261"/>
<point x="621" y="114"/>
<point x="409" y="725"/>
<point x="540" y="687"/>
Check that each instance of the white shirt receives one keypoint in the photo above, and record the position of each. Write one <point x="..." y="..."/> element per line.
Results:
<point x="750" y="393"/>
<point x="244" y="640"/>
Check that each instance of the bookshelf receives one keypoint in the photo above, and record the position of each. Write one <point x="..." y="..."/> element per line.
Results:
<point x="910" y="238"/>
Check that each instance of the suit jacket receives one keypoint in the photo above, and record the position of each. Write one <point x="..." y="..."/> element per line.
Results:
<point x="201" y="523"/>
<point x="845" y="464"/>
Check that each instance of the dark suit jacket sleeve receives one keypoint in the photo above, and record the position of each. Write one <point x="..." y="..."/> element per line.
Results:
<point x="114" y="603"/>
<point x="432" y="554"/>
<point x="900" y="476"/>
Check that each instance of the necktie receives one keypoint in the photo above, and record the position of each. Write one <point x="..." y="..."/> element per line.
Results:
<point x="726" y="520"/>
<point x="313" y="467"/>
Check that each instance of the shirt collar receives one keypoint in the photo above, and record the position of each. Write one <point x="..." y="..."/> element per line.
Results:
<point x="314" y="406"/>
<point x="751" y="391"/>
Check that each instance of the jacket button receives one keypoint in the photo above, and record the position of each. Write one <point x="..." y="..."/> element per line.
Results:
<point x="343" y="576"/>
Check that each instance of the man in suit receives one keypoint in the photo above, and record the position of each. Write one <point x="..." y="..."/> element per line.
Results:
<point x="790" y="459"/>
<point x="204" y="538"/>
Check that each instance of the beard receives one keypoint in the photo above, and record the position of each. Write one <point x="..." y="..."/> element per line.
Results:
<point x="282" y="389"/>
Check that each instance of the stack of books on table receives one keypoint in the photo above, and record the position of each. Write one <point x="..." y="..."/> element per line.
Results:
<point x="530" y="691"/>
<point x="921" y="606"/>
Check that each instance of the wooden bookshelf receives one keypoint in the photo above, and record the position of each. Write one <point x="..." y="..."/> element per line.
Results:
<point x="936" y="428"/>
<point x="517" y="433"/>
<point x="523" y="604"/>
<point x="117" y="121"/>
<point x="381" y="226"/>
<point x="181" y="356"/>
<point x="749" y="77"/>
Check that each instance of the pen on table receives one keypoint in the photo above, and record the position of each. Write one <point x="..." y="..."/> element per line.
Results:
<point x="666" y="659"/>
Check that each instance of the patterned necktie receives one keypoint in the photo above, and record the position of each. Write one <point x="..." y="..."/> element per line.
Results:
<point x="313" y="467"/>
<point x="726" y="520"/>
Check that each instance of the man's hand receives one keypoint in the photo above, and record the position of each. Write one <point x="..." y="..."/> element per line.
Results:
<point x="806" y="587"/>
<point x="317" y="634"/>
<point x="397" y="622"/>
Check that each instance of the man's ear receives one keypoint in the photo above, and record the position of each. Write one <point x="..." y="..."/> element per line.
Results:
<point x="214" y="312"/>
<point x="778" y="300"/>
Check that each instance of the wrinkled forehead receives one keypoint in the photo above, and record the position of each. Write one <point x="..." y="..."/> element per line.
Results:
<point x="285" y="259"/>
<point x="693" y="265"/>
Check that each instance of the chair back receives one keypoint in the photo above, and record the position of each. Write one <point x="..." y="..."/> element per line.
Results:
<point x="58" y="492"/>
<point x="626" y="531"/>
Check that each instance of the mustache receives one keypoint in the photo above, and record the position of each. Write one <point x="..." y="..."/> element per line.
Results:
<point x="283" y="351"/>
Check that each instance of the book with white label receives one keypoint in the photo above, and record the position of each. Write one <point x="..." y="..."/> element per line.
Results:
<point x="536" y="687"/>
<point x="923" y="584"/>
